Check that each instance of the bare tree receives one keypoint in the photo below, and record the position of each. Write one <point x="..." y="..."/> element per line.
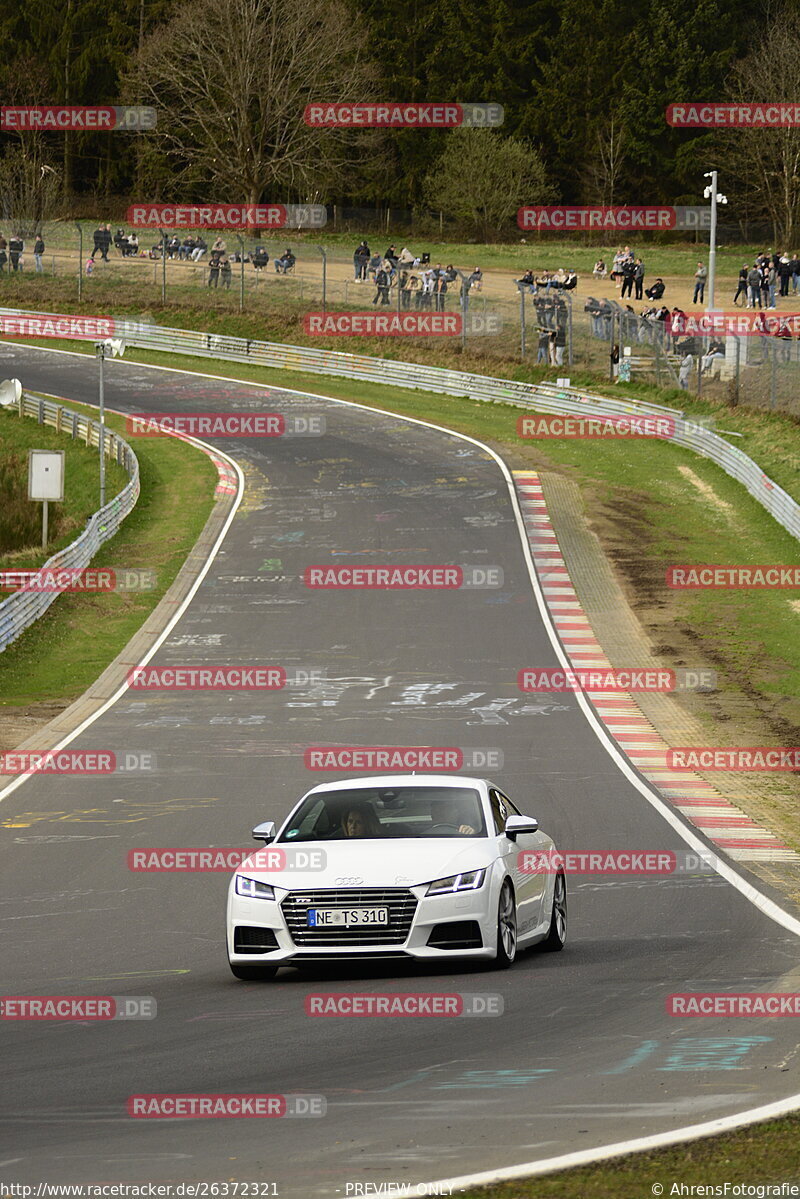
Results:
<point x="605" y="162"/>
<point x="230" y="80"/>
<point x="483" y="178"/>
<point x="762" y="166"/>
<point x="31" y="184"/>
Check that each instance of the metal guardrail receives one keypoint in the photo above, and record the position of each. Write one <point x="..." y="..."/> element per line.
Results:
<point x="541" y="397"/>
<point x="22" y="608"/>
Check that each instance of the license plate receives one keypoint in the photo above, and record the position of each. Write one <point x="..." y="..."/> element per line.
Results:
<point x="346" y="917"/>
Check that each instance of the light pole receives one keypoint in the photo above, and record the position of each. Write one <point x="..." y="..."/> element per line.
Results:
<point x="716" y="197"/>
<point x="101" y="348"/>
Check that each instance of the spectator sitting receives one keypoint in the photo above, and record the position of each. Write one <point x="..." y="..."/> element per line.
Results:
<point x="133" y="245"/>
<point x="599" y="271"/>
<point x="391" y="254"/>
<point x="656" y="291"/>
<point x="187" y="245"/>
<point x="285" y="263"/>
<point x="407" y="258"/>
<point x="121" y="242"/>
<point x="199" y="250"/>
<point x="527" y="282"/>
<point x="375" y="264"/>
<point x="174" y="247"/>
<point x="476" y="279"/>
<point x="260" y="258"/>
<point x="571" y="281"/>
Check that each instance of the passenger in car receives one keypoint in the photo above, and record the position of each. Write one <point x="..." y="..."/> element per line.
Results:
<point x="360" y="821"/>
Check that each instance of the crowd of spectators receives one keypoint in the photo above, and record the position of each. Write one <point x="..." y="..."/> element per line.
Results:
<point x="12" y="252"/>
<point x="758" y="283"/>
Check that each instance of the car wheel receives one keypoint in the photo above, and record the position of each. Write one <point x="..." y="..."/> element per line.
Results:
<point x="254" y="973"/>
<point x="506" y="928"/>
<point x="557" y="934"/>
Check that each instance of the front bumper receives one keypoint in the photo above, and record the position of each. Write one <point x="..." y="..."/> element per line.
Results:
<point x="472" y="917"/>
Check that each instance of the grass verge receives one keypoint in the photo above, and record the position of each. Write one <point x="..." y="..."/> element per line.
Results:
<point x="757" y="1156"/>
<point x="64" y="652"/>
<point x="21" y="518"/>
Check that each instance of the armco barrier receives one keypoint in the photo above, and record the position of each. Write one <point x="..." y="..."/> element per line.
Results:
<point x="22" y="608"/>
<point x="542" y="397"/>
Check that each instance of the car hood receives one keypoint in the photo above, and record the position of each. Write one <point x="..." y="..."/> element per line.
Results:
<point x="395" y="863"/>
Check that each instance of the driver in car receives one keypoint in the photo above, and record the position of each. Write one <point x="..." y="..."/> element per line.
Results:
<point x="456" y="812"/>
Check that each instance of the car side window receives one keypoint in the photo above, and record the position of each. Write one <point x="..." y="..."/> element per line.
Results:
<point x="500" y="809"/>
<point x="513" y="810"/>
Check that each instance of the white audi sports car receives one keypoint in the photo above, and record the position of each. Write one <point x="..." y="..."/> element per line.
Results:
<point x="396" y="866"/>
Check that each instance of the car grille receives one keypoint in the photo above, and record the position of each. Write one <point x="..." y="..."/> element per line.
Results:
<point x="402" y="905"/>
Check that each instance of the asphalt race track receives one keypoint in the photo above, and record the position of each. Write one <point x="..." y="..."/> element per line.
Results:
<point x="585" y="1053"/>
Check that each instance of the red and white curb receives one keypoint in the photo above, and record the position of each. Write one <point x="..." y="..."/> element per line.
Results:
<point x="699" y="801"/>
<point x="227" y="483"/>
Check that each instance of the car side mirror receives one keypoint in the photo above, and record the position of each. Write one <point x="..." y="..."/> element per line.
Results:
<point x="515" y="825"/>
<point x="265" y="832"/>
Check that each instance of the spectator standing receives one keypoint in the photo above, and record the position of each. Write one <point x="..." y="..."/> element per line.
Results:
<point x="784" y="273"/>
<point x="700" y="276"/>
<point x="15" y="248"/>
<point x="381" y="286"/>
<point x="105" y="242"/>
<point x="638" y="277"/>
<point x="766" y="268"/>
<point x="375" y="264"/>
<point x="476" y="279"/>
<point x="628" y="271"/>
<point x="360" y="260"/>
<point x="685" y="371"/>
<point x="226" y="272"/>
<point x="772" y="282"/>
<point x="98" y="240"/>
<point x="90" y="265"/>
<point x="213" y="270"/>
<point x="543" y="349"/>
<point x="614" y="361"/>
<point x="754" y="287"/>
<point x="38" y="250"/>
<point x="741" y="288"/>
<point x="794" y="266"/>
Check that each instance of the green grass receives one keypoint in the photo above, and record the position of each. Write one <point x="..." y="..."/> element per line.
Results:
<point x="21" y="518"/>
<point x="663" y="255"/>
<point x="64" y="652"/>
<point x="761" y="1154"/>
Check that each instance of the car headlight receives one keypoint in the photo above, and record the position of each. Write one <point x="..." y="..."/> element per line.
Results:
<point x="469" y="881"/>
<point x="253" y="889"/>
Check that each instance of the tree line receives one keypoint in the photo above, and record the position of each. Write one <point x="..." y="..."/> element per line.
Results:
<point x="584" y="85"/>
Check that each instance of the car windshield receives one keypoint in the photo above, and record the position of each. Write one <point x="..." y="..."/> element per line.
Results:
<point x="382" y="812"/>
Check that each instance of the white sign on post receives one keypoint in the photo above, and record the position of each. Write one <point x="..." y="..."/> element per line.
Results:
<point x="45" y="481"/>
<point x="46" y="475"/>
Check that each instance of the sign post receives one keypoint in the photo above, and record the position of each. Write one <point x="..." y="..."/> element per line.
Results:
<point x="45" y="481"/>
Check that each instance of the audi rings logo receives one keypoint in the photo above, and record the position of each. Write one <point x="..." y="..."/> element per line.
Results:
<point x="348" y="882"/>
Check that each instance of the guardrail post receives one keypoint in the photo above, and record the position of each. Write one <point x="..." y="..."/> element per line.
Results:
<point x="40" y="413"/>
<point x="74" y="425"/>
